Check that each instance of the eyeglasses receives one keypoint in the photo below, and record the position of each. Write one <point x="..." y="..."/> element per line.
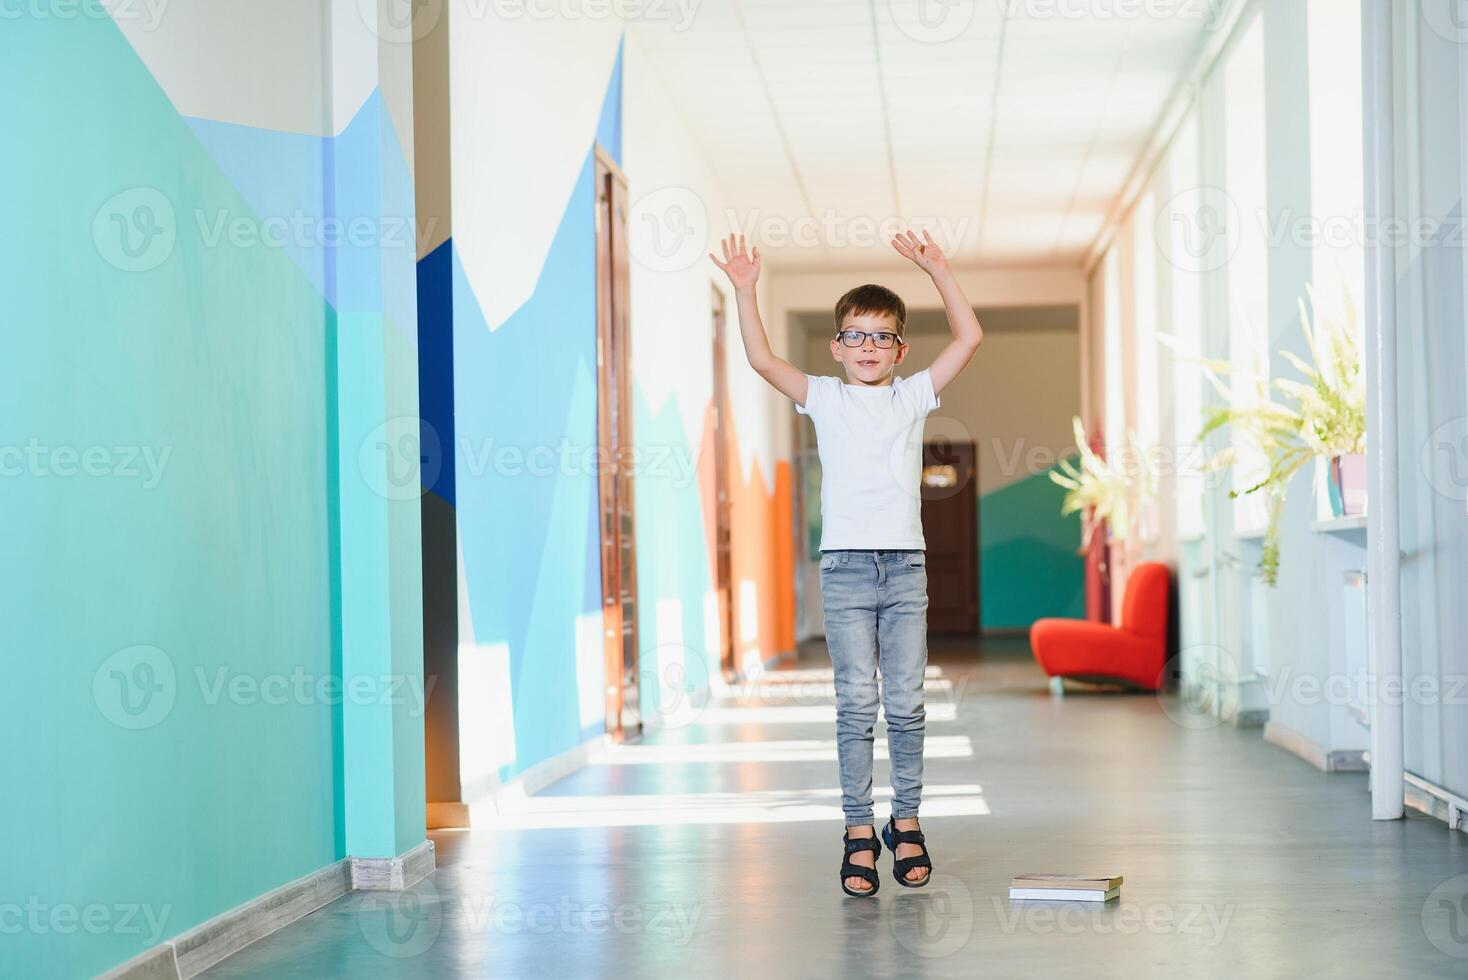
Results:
<point x="855" y="338"/>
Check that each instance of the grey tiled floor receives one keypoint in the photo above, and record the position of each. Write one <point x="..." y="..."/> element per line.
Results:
<point x="712" y="848"/>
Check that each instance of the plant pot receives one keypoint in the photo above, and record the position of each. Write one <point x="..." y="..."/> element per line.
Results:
<point x="1347" y="485"/>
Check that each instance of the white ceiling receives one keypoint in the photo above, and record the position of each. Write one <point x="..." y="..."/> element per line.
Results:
<point x="1009" y="125"/>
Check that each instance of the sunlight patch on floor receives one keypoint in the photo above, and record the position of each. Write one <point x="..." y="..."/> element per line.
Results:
<point x="790" y="714"/>
<point x="761" y="806"/>
<point x="789" y="750"/>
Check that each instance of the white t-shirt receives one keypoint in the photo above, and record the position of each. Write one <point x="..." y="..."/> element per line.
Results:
<point x="871" y="446"/>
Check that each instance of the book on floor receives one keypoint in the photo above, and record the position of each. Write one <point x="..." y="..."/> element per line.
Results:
<point x="1066" y="887"/>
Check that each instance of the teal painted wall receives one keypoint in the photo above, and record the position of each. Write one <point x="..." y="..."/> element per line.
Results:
<point x="169" y="417"/>
<point x="1028" y="565"/>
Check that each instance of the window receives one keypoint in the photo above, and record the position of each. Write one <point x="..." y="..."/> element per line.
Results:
<point x="1144" y="353"/>
<point x="1186" y="326"/>
<point x="1247" y="272"/>
<point x="1337" y="184"/>
<point x="1114" y="426"/>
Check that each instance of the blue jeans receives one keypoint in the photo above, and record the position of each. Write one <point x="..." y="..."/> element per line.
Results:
<point x="876" y="606"/>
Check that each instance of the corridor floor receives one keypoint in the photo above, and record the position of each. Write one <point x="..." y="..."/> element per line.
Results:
<point x="711" y="849"/>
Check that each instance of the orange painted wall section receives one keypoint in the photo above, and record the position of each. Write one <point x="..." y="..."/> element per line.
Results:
<point x="761" y="538"/>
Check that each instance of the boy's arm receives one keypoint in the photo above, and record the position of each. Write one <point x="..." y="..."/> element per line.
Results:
<point x="743" y="272"/>
<point x="967" y="334"/>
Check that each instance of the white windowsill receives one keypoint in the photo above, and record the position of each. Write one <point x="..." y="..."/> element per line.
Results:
<point x="1327" y="525"/>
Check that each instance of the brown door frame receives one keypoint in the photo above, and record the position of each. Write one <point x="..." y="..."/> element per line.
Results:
<point x="616" y="500"/>
<point x="723" y="517"/>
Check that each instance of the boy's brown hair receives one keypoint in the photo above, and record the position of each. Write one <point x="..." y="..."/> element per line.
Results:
<point x="872" y="298"/>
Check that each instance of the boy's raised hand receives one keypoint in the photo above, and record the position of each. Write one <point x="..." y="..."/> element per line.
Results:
<point x="742" y="269"/>
<point x="925" y="254"/>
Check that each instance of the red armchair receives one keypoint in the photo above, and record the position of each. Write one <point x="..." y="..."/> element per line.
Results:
<point x="1136" y="651"/>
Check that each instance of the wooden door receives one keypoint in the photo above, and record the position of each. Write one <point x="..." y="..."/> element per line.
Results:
<point x="723" y="521"/>
<point x="614" y="437"/>
<point x="951" y="531"/>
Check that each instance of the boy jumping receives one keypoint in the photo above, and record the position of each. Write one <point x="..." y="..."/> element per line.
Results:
<point x="874" y="583"/>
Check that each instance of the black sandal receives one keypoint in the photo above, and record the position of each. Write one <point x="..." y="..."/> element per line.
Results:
<point x="849" y="870"/>
<point x="891" y="836"/>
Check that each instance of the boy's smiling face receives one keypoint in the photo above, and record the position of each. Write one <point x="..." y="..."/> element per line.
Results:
<point x="869" y="365"/>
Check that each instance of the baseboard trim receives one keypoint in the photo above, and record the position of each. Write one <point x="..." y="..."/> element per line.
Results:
<point x="489" y="797"/>
<point x="395" y="873"/>
<point x="190" y="953"/>
<point x="158" y="963"/>
<point x="1434" y="801"/>
<point x="1333" y="760"/>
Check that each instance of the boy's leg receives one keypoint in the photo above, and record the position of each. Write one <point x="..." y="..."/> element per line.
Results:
<point x="849" y="599"/>
<point x="902" y="632"/>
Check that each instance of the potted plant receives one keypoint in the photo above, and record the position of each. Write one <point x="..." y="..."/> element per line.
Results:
<point x="1321" y="417"/>
<point x="1114" y="489"/>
